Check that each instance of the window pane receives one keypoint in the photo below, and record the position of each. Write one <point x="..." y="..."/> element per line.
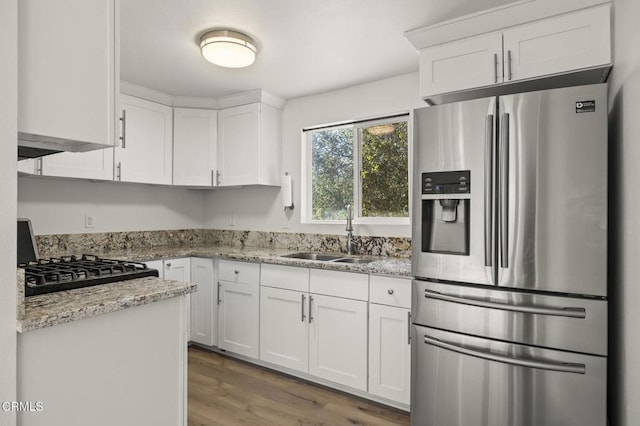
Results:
<point x="385" y="168"/>
<point x="332" y="173"/>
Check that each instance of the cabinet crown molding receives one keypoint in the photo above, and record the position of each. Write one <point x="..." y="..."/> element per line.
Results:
<point x="237" y="99"/>
<point x="496" y="19"/>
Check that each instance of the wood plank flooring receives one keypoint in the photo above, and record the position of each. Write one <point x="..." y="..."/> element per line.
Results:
<point x="227" y="391"/>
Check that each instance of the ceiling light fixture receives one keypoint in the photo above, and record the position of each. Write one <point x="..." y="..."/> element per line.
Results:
<point x="382" y="129"/>
<point x="227" y="48"/>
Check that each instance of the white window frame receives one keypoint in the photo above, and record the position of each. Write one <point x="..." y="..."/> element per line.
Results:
<point x="306" y="196"/>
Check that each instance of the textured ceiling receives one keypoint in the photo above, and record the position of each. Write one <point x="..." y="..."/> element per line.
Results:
<point x="305" y="46"/>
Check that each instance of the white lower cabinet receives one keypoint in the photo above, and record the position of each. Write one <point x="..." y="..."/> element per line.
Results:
<point x="338" y="340"/>
<point x="284" y="328"/>
<point x="390" y="338"/>
<point x="204" y="309"/>
<point x="239" y="307"/>
<point x="389" y="352"/>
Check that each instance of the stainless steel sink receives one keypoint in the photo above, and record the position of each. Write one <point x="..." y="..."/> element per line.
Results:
<point x="352" y="260"/>
<point x="313" y="256"/>
<point x="327" y="258"/>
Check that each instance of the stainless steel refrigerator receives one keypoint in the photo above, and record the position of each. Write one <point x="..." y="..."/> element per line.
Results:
<point x="509" y="238"/>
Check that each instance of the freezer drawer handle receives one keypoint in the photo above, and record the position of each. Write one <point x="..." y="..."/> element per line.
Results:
<point x="538" y="310"/>
<point x="564" y="367"/>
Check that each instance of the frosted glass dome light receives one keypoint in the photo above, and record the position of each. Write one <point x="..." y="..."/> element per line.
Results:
<point x="226" y="48"/>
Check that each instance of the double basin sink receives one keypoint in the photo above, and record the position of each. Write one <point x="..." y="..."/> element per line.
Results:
<point x="322" y="257"/>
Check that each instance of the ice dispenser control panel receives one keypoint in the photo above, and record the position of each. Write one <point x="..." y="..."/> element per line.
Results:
<point x="457" y="182"/>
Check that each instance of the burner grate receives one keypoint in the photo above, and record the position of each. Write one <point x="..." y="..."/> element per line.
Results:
<point x="69" y="272"/>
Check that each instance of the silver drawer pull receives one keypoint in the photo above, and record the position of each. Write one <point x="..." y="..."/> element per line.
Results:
<point x="564" y="367"/>
<point x="525" y="309"/>
<point x="236" y="272"/>
<point x="390" y="291"/>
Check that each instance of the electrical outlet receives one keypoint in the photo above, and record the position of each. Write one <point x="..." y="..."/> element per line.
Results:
<point x="88" y="220"/>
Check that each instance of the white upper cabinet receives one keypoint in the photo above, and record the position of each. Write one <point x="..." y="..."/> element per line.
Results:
<point x="249" y="145"/>
<point x="67" y="66"/>
<point x="460" y="65"/>
<point x="576" y="42"/>
<point x="564" y="43"/>
<point x="195" y="132"/>
<point x="144" y="154"/>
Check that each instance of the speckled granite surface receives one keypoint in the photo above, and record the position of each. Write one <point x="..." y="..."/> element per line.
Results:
<point x="58" y="308"/>
<point x="49" y="245"/>
<point x="390" y="256"/>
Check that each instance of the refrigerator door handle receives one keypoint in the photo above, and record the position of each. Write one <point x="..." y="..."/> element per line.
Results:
<point x="571" y="312"/>
<point x="564" y="367"/>
<point x="504" y="191"/>
<point x="488" y="193"/>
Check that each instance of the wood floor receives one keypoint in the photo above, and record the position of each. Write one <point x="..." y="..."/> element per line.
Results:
<point x="226" y="391"/>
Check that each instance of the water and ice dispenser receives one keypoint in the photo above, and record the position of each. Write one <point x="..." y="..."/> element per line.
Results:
<point x="446" y="212"/>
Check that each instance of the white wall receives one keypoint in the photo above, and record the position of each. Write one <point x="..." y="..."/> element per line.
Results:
<point x="58" y="206"/>
<point x="8" y="154"/>
<point x="624" y="281"/>
<point x="259" y="209"/>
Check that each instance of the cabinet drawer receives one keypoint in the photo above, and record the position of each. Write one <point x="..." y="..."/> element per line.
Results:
<point x="390" y="291"/>
<point x="286" y="277"/>
<point x="239" y="272"/>
<point x="350" y="285"/>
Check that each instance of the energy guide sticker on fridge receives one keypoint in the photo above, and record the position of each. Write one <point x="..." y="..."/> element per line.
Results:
<point x="585" y="106"/>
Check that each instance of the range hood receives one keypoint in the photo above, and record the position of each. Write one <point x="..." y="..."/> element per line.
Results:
<point x="33" y="146"/>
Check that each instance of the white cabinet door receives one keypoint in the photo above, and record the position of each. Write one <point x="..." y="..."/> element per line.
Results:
<point x="238" y="317"/>
<point x="249" y="145"/>
<point x="178" y="269"/>
<point x="156" y="264"/>
<point x="284" y="328"/>
<point x="145" y="152"/>
<point x="66" y="60"/>
<point x="27" y="166"/>
<point x="389" y="352"/>
<point x="96" y="164"/>
<point x="195" y="132"/>
<point x="238" y="154"/>
<point x="565" y="43"/>
<point x="338" y="340"/>
<point x="204" y="308"/>
<point x="461" y="65"/>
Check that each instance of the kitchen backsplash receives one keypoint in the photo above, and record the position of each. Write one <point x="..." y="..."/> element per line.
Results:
<point x="86" y="243"/>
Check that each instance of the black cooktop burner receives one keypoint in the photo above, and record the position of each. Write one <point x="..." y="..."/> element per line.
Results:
<point x="69" y="272"/>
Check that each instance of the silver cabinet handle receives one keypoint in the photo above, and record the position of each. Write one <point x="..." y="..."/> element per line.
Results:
<point x="564" y="367"/>
<point x="571" y="312"/>
<point x="218" y="178"/>
<point x="495" y="67"/>
<point x="303" y="300"/>
<point x="119" y="171"/>
<point x="488" y="191"/>
<point x="236" y="272"/>
<point x="39" y="166"/>
<point x="504" y="191"/>
<point x="509" y="63"/>
<point x="168" y="265"/>
<point x="212" y="177"/>
<point x="310" y="311"/>
<point x="123" y="120"/>
<point x="390" y="291"/>
<point x="409" y="327"/>
<point x="219" y="285"/>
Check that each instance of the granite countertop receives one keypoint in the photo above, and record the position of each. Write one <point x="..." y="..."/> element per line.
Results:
<point x="380" y="265"/>
<point x="46" y="310"/>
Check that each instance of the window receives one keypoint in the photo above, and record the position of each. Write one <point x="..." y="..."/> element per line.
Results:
<point x="363" y="164"/>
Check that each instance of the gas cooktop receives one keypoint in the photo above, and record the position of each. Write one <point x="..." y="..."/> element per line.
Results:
<point x="69" y="272"/>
